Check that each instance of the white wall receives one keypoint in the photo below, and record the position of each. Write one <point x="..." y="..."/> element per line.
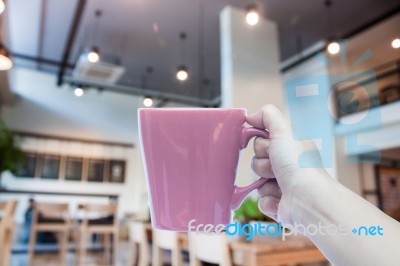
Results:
<point x="42" y="107"/>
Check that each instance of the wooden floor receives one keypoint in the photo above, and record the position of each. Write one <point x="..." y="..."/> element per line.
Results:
<point x="51" y="259"/>
<point x="92" y="259"/>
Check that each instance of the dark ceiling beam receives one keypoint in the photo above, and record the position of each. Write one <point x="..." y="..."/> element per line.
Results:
<point x="134" y="91"/>
<point x="28" y="134"/>
<point x="347" y="35"/>
<point x="161" y="103"/>
<point x="40" y="60"/>
<point x="80" y="8"/>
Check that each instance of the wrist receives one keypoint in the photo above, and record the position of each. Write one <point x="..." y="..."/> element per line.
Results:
<point x="311" y="193"/>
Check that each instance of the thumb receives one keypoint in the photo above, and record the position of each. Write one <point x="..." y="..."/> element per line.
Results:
<point x="270" y="118"/>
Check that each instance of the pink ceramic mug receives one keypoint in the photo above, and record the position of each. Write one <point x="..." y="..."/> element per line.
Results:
<point x="190" y="157"/>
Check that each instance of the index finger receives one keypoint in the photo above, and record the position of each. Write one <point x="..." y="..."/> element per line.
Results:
<point x="270" y="118"/>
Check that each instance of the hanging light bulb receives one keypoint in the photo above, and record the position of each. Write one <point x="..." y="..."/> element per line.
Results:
<point x="252" y="16"/>
<point x="93" y="55"/>
<point x="78" y="92"/>
<point x="147" y="101"/>
<point x="333" y="48"/>
<point x="396" y="43"/>
<point x="2" y="6"/>
<point x="5" y="60"/>
<point x="182" y="73"/>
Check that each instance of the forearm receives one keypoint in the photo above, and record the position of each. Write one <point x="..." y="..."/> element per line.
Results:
<point x="331" y="204"/>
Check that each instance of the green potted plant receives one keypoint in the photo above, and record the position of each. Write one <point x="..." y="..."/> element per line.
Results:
<point x="10" y="153"/>
<point x="249" y="211"/>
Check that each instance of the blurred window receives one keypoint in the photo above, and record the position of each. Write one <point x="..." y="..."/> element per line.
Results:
<point x="117" y="171"/>
<point x="50" y="167"/>
<point x="73" y="169"/>
<point x="27" y="167"/>
<point x="96" y="171"/>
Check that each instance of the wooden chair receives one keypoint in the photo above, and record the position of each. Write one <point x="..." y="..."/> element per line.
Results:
<point x="106" y="226"/>
<point x="139" y="240"/>
<point x="166" y="240"/>
<point x="50" y="217"/>
<point x="211" y="248"/>
<point x="6" y="230"/>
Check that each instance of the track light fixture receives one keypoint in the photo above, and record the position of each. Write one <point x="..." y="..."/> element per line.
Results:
<point x="93" y="56"/>
<point x="147" y="101"/>
<point x="252" y="16"/>
<point x="78" y="91"/>
<point x="396" y="43"/>
<point x="333" y="48"/>
<point x="182" y="73"/>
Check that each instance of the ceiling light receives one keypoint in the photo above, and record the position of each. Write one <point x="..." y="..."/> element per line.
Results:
<point x="93" y="55"/>
<point x="252" y="16"/>
<point x="333" y="48"/>
<point x="2" y="6"/>
<point x="5" y="60"/>
<point x="396" y="43"/>
<point x="182" y="73"/>
<point x="148" y="102"/>
<point x="78" y="92"/>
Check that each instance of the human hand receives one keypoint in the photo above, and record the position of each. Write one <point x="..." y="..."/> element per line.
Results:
<point x="277" y="158"/>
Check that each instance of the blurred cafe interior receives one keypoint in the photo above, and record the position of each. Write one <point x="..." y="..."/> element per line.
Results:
<point x="74" y="72"/>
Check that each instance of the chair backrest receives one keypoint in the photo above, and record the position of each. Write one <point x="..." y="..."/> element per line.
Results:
<point x="137" y="233"/>
<point x="6" y="230"/>
<point x="107" y="209"/>
<point x="138" y="236"/>
<point x="98" y="211"/>
<point x="56" y="210"/>
<point x="211" y="248"/>
<point x="8" y="210"/>
<point x="165" y="239"/>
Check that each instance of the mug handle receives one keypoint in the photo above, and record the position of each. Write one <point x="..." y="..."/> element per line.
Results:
<point x="240" y="193"/>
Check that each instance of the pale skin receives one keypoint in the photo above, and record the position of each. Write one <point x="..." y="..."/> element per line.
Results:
<point x="311" y="196"/>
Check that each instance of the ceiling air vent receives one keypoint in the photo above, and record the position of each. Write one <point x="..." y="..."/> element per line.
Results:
<point x="97" y="72"/>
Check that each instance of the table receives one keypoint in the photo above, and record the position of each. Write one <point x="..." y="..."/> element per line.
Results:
<point x="264" y="252"/>
<point x="275" y="253"/>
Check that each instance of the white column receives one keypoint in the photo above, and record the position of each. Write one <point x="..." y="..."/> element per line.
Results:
<point x="250" y="75"/>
